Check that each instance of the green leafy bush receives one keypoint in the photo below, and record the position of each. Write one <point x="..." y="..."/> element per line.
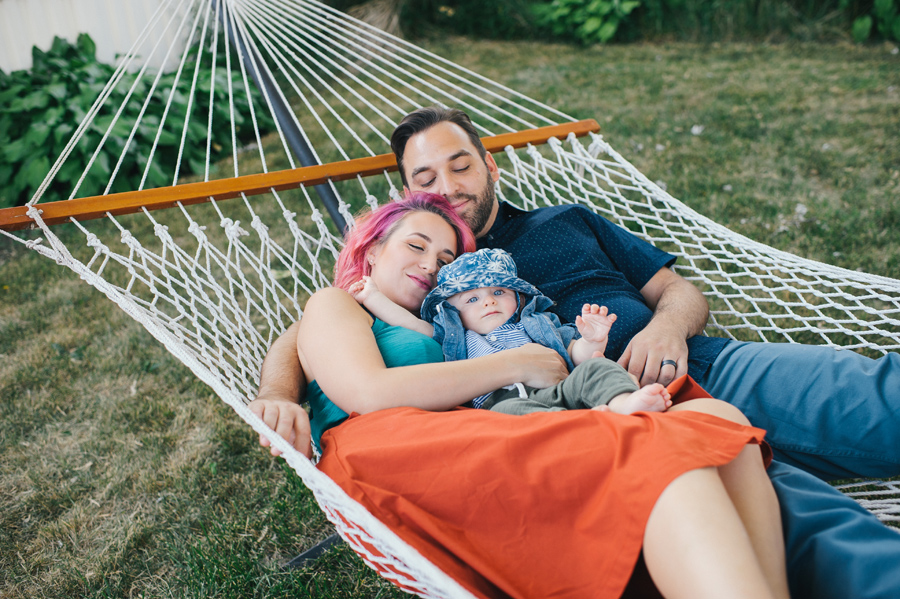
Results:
<point x="41" y="108"/>
<point x="584" y="21"/>
<point x="862" y="28"/>
<point x="591" y="21"/>
<point x="885" y="14"/>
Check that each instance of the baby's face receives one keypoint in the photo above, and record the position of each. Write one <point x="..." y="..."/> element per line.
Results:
<point x="483" y="310"/>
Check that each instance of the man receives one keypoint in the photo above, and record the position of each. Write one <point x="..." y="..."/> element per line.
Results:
<point x="833" y="414"/>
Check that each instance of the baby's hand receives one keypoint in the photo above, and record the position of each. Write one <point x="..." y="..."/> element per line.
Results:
<point x="363" y="289"/>
<point x="594" y="323"/>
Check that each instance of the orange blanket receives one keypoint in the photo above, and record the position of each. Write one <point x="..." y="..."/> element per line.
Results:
<point x="537" y="506"/>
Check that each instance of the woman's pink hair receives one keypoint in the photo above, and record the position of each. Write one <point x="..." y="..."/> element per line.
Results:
<point x="374" y="227"/>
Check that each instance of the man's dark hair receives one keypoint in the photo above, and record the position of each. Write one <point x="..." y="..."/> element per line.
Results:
<point x="426" y="118"/>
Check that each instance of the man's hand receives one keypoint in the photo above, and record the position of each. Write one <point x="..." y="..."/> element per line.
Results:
<point x="286" y="418"/>
<point x="281" y="387"/>
<point x="644" y="355"/>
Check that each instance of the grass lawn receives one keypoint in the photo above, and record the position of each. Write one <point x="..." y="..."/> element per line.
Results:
<point x="123" y="476"/>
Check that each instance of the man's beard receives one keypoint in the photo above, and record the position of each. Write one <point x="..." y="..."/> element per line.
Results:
<point x="480" y="206"/>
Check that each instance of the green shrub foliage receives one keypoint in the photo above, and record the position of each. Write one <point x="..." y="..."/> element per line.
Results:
<point x="584" y="21"/>
<point x="41" y="108"/>
<point x="593" y="21"/>
<point x="885" y="16"/>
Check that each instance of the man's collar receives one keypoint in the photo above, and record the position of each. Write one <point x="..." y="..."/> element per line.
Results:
<point x="505" y="212"/>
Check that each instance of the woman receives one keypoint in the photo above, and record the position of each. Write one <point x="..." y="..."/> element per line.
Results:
<point x="549" y="504"/>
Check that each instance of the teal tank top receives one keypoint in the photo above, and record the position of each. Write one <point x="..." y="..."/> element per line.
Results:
<point x="398" y="347"/>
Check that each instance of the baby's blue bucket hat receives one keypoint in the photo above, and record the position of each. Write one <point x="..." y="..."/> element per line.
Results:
<point x="484" y="268"/>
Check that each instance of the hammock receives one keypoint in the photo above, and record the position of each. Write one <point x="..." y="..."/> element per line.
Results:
<point x="227" y="267"/>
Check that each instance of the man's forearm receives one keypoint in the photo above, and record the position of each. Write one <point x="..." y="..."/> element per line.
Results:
<point x="683" y="305"/>
<point x="676" y="302"/>
<point x="281" y="376"/>
<point x="659" y="352"/>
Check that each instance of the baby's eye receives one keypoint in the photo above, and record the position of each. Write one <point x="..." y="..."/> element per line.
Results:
<point x="499" y="291"/>
<point x="472" y="300"/>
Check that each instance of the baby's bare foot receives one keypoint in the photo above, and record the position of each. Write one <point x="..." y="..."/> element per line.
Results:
<point x="652" y="398"/>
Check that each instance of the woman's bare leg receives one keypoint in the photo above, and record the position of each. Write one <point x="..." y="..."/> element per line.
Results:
<point x="751" y="492"/>
<point x="696" y="546"/>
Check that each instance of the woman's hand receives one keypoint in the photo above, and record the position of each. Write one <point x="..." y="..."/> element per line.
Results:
<point x="540" y="366"/>
<point x="286" y="418"/>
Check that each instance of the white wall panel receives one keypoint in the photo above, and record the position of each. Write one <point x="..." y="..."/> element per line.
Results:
<point x="114" y="25"/>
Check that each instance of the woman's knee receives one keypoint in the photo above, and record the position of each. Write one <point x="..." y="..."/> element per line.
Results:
<point x="714" y="407"/>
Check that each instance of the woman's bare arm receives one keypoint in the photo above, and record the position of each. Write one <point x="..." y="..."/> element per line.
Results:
<point x="337" y="349"/>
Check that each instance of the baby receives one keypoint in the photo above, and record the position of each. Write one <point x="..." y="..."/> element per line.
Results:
<point x="480" y="306"/>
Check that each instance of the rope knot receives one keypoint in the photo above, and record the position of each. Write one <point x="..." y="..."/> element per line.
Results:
<point x="162" y="232"/>
<point x="597" y="145"/>
<point x="233" y="228"/>
<point x="45" y="251"/>
<point x="372" y="201"/>
<point x="129" y="240"/>
<point x="258" y="226"/>
<point x="344" y="210"/>
<point x="94" y="242"/>
<point x="197" y="231"/>
<point x="317" y="216"/>
<point x="293" y="227"/>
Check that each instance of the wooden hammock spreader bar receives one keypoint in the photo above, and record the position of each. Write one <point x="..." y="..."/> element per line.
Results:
<point x="12" y="219"/>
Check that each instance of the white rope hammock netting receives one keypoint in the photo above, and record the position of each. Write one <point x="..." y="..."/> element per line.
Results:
<point x="217" y="282"/>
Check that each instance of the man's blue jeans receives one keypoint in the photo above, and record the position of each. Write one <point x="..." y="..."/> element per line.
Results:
<point x="834" y="414"/>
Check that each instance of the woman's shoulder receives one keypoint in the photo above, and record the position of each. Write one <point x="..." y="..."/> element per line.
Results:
<point x="330" y="292"/>
<point x="333" y="301"/>
<point x="329" y="296"/>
